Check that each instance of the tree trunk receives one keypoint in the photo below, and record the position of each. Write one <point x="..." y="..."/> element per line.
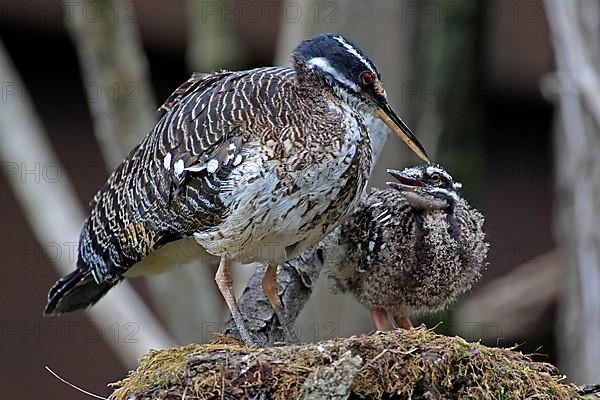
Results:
<point x="575" y="27"/>
<point x="115" y="73"/>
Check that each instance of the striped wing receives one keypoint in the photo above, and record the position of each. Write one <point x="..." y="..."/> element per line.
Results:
<point x="168" y="186"/>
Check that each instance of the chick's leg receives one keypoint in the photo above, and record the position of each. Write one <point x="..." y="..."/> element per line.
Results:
<point x="402" y="322"/>
<point x="380" y="318"/>
<point x="269" y="285"/>
<point x="225" y="284"/>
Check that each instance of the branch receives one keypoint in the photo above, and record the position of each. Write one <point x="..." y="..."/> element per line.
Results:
<point x="115" y="74"/>
<point x="577" y="177"/>
<point x="212" y="42"/>
<point x="295" y="280"/>
<point x="575" y="69"/>
<point x="55" y="215"/>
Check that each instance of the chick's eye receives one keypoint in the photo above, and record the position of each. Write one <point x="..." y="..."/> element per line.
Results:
<point x="366" y="78"/>
<point x="435" y="178"/>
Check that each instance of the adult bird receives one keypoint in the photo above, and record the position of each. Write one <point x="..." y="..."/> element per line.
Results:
<point x="250" y="166"/>
<point x="410" y="249"/>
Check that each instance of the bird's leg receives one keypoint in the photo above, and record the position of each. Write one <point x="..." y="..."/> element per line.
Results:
<point x="380" y="318"/>
<point x="225" y="284"/>
<point x="269" y="284"/>
<point x="402" y="322"/>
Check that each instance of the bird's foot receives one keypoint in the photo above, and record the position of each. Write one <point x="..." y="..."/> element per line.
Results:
<point x="286" y="326"/>
<point x="225" y="284"/>
<point x="240" y="324"/>
<point x="269" y="285"/>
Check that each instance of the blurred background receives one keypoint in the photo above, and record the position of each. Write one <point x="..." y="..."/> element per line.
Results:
<point x="504" y="93"/>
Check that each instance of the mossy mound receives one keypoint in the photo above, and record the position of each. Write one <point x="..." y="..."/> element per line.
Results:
<point x="400" y="364"/>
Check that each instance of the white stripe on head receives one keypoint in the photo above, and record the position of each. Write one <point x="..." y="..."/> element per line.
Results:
<point x="352" y="50"/>
<point x="446" y="192"/>
<point x="324" y="65"/>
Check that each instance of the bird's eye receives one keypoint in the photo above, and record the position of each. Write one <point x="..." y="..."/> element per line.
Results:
<point x="366" y="78"/>
<point x="435" y="178"/>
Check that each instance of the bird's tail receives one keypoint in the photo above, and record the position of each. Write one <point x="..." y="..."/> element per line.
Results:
<point x="75" y="291"/>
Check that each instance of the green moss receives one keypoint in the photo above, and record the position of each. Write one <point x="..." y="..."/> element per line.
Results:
<point x="500" y="392"/>
<point x="398" y="364"/>
<point x="160" y="368"/>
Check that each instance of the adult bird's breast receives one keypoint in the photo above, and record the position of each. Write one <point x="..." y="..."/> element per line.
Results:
<point x="281" y="206"/>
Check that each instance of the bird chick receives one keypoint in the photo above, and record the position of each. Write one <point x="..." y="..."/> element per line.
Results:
<point x="410" y="249"/>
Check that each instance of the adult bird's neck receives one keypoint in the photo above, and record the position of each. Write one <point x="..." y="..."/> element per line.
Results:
<point x="305" y="77"/>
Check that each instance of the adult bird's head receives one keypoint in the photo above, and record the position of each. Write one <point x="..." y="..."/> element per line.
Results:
<point x="426" y="186"/>
<point x="341" y="66"/>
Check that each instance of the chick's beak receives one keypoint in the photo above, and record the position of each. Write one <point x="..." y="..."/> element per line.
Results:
<point x="405" y="183"/>
<point x="393" y="121"/>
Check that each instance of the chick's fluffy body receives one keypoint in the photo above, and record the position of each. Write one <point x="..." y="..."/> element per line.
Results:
<point x="405" y="260"/>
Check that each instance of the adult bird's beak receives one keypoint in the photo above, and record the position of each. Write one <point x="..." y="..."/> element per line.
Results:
<point x="393" y="121"/>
